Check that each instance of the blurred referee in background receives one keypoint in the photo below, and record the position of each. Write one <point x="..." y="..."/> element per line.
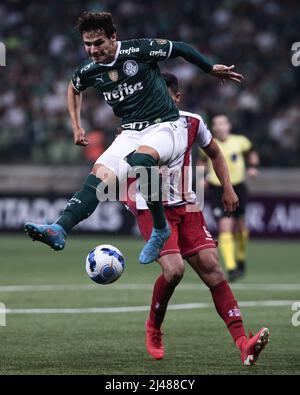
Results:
<point x="242" y="161"/>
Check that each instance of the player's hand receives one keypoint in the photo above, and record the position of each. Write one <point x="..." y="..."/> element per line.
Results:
<point x="79" y="137"/>
<point x="225" y="73"/>
<point x="230" y="201"/>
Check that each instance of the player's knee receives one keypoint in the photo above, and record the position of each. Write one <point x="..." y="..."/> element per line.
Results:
<point x="225" y="225"/>
<point x="99" y="171"/>
<point x="142" y="160"/>
<point x="104" y="174"/>
<point x="174" y="273"/>
<point x="175" y="277"/>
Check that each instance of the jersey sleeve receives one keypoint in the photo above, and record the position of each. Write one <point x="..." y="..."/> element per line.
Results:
<point x="190" y="54"/>
<point x="79" y="79"/>
<point x="204" y="135"/>
<point x="155" y="49"/>
<point x="246" y="144"/>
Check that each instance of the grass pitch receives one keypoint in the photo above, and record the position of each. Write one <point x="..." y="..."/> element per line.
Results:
<point x="73" y="339"/>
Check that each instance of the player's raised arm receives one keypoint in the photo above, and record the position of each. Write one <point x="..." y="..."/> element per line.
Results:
<point x="229" y="199"/>
<point x="181" y="49"/>
<point x="74" y="99"/>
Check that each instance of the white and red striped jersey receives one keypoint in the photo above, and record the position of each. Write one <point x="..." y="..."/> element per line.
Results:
<point x="177" y="175"/>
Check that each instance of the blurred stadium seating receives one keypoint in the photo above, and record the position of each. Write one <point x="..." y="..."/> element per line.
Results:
<point x="43" y="49"/>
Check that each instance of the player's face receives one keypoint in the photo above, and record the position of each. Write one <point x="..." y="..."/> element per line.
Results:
<point x="99" y="47"/>
<point x="221" y="127"/>
<point x="176" y="97"/>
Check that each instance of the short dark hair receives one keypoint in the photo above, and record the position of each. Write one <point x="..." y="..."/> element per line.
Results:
<point x="89" y="21"/>
<point x="220" y="114"/>
<point x="171" y="81"/>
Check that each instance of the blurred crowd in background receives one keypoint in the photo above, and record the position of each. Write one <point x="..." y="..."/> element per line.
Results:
<point x="43" y="50"/>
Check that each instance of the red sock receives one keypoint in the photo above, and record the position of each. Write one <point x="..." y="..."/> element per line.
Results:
<point x="228" y="309"/>
<point x="162" y="293"/>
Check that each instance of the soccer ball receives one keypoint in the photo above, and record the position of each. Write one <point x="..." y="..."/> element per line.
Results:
<point x="104" y="264"/>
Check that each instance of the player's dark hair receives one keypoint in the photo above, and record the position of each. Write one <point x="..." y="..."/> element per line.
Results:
<point x="89" y="21"/>
<point x="171" y="82"/>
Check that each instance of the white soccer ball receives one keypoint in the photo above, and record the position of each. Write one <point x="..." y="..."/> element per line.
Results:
<point x="105" y="264"/>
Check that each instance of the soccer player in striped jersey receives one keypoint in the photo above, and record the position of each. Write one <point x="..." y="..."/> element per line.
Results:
<point x="190" y="240"/>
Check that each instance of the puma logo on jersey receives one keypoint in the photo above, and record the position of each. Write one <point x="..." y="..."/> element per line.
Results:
<point x="122" y="91"/>
<point x="100" y="78"/>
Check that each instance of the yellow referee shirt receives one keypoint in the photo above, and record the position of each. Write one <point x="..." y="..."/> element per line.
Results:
<point x="233" y="149"/>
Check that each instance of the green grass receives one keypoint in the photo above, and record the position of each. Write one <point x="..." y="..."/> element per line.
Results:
<point x="196" y="341"/>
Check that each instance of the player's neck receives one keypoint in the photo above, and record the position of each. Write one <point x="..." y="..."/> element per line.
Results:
<point x="112" y="53"/>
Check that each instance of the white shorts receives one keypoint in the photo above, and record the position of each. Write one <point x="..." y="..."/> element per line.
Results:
<point x="167" y="138"/>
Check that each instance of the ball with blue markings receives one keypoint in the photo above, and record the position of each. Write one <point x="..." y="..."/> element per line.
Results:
<point x="105" y="264"/>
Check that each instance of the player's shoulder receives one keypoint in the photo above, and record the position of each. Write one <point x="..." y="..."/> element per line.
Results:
<point x="133" y="46"/>
<point x="196" y="124"/>
<point x="85" y="67"/>
<point x="131" y="49"/>
<point x="241" y="141"/>
<point x="132" y="43"/>
<point x="185" y="114"/>
<point x="194" y="119"/>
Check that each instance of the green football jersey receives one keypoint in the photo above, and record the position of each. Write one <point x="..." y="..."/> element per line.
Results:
<point x="132" y="83"/>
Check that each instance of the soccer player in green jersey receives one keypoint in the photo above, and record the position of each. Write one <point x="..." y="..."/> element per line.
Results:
<point x="128" y="76"/>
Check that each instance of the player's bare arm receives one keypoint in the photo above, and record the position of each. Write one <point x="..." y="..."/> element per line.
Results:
<point x="74" y="99"/>
<point x="230" y="200"/>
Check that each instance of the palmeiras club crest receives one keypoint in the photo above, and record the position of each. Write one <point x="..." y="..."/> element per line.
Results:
<point x="130" y="68"/>
<point x="113" y="75"/>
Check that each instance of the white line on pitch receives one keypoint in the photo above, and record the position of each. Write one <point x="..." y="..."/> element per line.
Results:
<point x="183" y="287"/>
<point x="129" y="309"/>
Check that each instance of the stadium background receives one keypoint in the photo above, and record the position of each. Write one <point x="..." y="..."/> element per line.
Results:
<point x="40" y="168"/>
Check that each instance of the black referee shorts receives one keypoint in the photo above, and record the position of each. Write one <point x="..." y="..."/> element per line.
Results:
<point x="214" y="197"/>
